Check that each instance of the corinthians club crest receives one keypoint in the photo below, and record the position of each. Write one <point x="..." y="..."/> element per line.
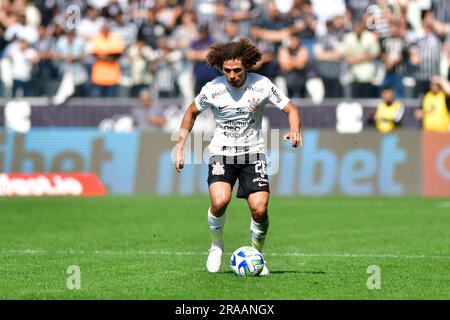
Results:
<point x="253" y="104"/>
<point x="218" y="169"/>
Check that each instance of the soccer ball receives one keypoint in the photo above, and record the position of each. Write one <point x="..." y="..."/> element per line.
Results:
<point x="247" y="261"/>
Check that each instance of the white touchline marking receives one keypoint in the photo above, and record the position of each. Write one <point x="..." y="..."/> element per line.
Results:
<point x="198" y="253"/>
<point x="39" y="291"/>
<point x="444" y="204"/>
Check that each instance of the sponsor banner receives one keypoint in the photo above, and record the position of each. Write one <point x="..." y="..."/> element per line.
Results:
<point x="367" y="163"/>
<point x="51" y="184"/>
<point x="436" y="164"/>
<point x="111" y="157"/>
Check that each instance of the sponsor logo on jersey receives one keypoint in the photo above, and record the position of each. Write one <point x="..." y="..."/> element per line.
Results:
<point x="240" y="123"/>
<point x="254" y="89"/>
<point x="235" y="149"/>
<point x="231" y="128"/>
<point x="276" y="94"/>
<point x="202" y="100"/>
<point x="223" y="107"/>
<point x="218" y="93"/>
<point x="235" y="134"/>
<point x="240" y="111"/>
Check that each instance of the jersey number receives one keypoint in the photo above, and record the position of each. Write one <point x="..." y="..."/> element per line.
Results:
<point x="260" y="167"/>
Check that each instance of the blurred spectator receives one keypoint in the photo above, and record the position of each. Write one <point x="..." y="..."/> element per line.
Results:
<point x="197" y="54"/>
<point x="22" y="59"/>
<point x="356" y="9"/>
<point x="217" y="28"/>
<point x="147" y="115"/>
<point x="45" y="68"/>
<point x="341" y="26"/>
<point x="324" y="10"/>
<point x="377" y="19"/>
<point x="126" y="30"/>
<point x="441" y="10"/>
<point x="410" y="33"/>
<point x="182" y="37"/>
<point x="231" y="32"/>
<point x="151" y="30"/>
<point x="394" y="54"/>
<point x="293" y="60"/>
<point x="90" y="25"/>
<point x="446" y="52"/>
<point x="273" y="27"/>
<point x="71" y="52"/>
<point x="167" y="67"/>
<point x="205" y="11"/>
<point x="107" y="49"/>
<point x="268" y="65"/>
<point x="167" y="13"/>
<point x="435" y="110"/>
<point x="426" y="54"/>
<point x="56" y="29"/>
<point x="110" y="8"/>
<point x="328" y="53"/>
<point x="361" y="48"/>
<point x="392" y="9"/>
<point x="242" y="12"/>
<point x="138" y="10"/>
<point x="389" y="112"/>
<point x="306" y="23"/>
<point x="142" y="57"/>
<point x="32" y="14"/>
<point x="20" y="29"/>
<point x="47" y="9"/>
<point x="185" y="33"/>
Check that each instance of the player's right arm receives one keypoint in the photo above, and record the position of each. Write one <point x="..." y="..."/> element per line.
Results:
<point x="186" y="126"/>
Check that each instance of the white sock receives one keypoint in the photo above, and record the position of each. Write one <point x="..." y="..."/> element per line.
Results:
<point x="259" y="231"/>
<point x="216" y="225"/>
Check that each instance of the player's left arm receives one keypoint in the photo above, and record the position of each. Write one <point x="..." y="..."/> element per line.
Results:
<point x="295" y="133"/>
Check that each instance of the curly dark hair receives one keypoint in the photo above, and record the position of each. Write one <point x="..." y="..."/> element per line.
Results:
<point x="242" y="50"/>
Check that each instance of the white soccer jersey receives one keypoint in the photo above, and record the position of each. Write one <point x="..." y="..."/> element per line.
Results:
<point x="238" y="113"/>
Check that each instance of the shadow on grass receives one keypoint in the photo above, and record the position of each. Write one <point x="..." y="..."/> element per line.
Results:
<point x="280" y="272"/>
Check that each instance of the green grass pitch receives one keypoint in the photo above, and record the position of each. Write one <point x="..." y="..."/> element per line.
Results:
<point x="149" y="247"/>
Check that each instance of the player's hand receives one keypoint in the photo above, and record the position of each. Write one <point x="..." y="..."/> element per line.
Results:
<point x="295" y="137"/>
<point x="179" y="158"/>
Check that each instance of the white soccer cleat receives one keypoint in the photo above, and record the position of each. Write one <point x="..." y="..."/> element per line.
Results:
<point x="265" y="271"/>
<point x="214" y="259"/>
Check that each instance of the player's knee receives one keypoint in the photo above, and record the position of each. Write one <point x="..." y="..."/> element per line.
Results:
<point x="259" y="212"/>
<point x="219" y="205"/>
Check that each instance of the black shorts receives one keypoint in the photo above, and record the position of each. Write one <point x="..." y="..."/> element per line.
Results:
<point x="250" y="169"/>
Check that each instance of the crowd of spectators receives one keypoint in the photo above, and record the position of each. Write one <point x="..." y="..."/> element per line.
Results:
<point x="115" y="48"/>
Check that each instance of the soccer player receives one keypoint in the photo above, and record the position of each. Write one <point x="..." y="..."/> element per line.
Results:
<point x="237" y="100"/>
